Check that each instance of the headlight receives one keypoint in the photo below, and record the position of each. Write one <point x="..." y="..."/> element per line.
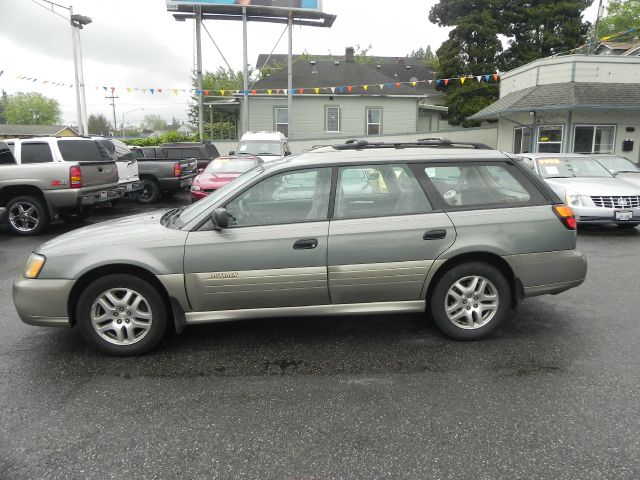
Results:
<point x="573" y="199"/>
<point x="195" y="188"/>
<point x="34" y="265"/>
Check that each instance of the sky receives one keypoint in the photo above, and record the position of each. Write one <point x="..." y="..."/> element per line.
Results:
<point x="137" y="43"/>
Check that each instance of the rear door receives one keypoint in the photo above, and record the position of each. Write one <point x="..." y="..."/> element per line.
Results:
<point x="384" y="235"/>
<point x="275" y="252"/>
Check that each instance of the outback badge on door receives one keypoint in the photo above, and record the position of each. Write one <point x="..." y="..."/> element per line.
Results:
<point x="220" y="275"/>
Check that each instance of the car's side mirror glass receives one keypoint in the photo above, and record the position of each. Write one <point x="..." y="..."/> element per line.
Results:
<point x="220" y="218"/>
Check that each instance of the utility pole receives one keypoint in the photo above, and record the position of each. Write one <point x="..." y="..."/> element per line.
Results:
<point x="199" y="73"/>
<point x="595" y="27"/>
<point x="113" y="105"/>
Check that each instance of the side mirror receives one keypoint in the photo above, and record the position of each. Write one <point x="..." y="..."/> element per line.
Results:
<point x="220" y="219"/>
<point x="232" y="152"/>
<point x="286" y="154"/>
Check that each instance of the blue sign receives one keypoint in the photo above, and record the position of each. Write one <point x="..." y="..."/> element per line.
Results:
<point x="284" y="4"/>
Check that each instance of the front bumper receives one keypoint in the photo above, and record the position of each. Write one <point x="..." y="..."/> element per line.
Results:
<point x="549" y="272"/>
<point x="42" y="302"/>
<point x="595" y="215"/>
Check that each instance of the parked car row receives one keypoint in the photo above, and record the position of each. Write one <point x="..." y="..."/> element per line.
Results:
<point x="601" y="189"/>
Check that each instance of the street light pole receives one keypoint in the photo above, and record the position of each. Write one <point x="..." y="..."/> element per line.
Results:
<point x="81" y="129"/>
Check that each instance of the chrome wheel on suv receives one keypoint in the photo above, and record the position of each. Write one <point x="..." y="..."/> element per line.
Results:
<point x="26" y="216"/>
<point x="470" y="300"/>
<point x="122" y="314"/>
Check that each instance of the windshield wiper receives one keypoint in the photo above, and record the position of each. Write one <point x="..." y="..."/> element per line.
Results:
<point x="627" y="171"/>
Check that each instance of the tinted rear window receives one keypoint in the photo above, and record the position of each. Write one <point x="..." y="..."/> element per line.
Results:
<point x="36" y="153"/>
<point x="6" y="157"/>
<point x="83" y="151"/>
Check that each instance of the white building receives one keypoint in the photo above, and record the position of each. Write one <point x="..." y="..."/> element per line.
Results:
<point x="577" y="103"/>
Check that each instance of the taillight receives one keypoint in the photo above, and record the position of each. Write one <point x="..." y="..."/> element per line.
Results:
<point x="177" y="170"/>
<point x="566" y="216"/>
<point x="75" y="177"/>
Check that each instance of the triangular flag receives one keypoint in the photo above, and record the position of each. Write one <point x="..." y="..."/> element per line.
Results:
<point x="285" y="91"/>
<point x="430" y="82"/>
<point x="413" y="84"/>
<point x="293" y="91"/>
<point x="349" y="88"/>
<point x="496" y="77"/>
<point x="159" y="90"/>
<point x="317" y="90"/>
<point x="446" y="81"/>
<point x="1" y="72"/>
<point x="302" y="90"/>
<point x="487" y="78"/>
<point x="366" y="87"/>
<point x="269" y="92"/>
<point x="206" y="92"/>
<point x="96" y="87"/>
<point x="236" y="91"/>
<point x="199" y="92"/>
<point x="398" y="85"/>
<point x="381" y="86"/>
<point x="113" y="89"/>
<point x="129" y="90"/>
<point x="462" y="79"/>
<point x="152" y="91"/>
<point x="175" y="91"/>
<point x="222" y="92"/>
<point x="438" y="82"/>
<point x="341" y="89"/>
<point x="105" y="88"/>
<point x="254" y="92"/>
<point x="333" y="89"/>
<point x="479" y="78"/>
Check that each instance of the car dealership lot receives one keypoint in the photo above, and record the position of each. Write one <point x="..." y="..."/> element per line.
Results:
<point x="554" y="394"/>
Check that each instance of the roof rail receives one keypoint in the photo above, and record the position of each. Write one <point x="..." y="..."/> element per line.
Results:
<point x="358" y="144"/>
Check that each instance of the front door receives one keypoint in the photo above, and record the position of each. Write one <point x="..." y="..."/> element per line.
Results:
<point x="274" y="252"/>
<point x="384" y="236"/>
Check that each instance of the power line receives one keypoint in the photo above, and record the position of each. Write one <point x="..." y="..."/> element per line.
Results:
<point x="217" y="48"/>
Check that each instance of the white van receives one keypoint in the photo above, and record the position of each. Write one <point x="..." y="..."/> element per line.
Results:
<point x="265" y="145"/>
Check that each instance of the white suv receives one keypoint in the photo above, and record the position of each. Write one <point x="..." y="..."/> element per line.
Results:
<point x="266" y="145"/>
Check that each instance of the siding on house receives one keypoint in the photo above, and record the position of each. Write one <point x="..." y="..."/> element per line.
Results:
<point x="399" y="115"/>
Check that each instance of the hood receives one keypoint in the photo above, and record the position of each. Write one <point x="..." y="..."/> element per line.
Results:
<point x="594" y="187"/>
<point x="270" y="158"/>
<point x="123" y="231"/>
<point x="208" y="180"/>
<point x="633" y="178"/>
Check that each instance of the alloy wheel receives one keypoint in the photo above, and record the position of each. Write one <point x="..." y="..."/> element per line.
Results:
<point x="121" y="316"/>
<point x="24" y="216"/>
<point x="471" y="302"/>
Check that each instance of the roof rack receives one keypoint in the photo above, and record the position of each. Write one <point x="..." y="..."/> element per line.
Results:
<point x="356" y="144"/>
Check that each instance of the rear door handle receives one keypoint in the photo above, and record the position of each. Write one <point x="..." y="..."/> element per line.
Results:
<point x="305" y="244"/>
<point x="435" y="235"/>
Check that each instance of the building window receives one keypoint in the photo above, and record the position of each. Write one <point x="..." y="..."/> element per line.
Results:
<point x="332" y="119"/>
<point x="550" y="138"/>
<point x="282" y="121"/>
<point x="522" y="140"/>
<point x="594" y="138"/>
<point x="374" y="121"/>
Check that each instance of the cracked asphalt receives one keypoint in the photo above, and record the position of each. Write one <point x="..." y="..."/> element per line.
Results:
<point x="554" y="394"/>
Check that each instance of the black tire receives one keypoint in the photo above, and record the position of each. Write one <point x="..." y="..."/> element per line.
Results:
<point x="154" y="303"/>
<point x="78" y="215"/>
<point x="150" y="191"/>
<point x="440" y="295"/>
<point x="37" y="220"/>
<point x="628" y="225"/>
<point x="114" y="203"/>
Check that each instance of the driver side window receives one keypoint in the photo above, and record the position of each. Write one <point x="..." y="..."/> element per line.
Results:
<point x="290" y="197"/>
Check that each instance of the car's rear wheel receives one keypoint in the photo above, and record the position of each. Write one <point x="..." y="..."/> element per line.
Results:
<point x="121" y="315"/>
<point x="470" y="301"/>
<point x="150" y="191"/>
<point x="26" y="215"/>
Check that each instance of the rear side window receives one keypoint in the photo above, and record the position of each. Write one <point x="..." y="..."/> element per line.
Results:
<point x="36" y="153"/>
<point x="212" y="151"/>
<point x="378" y="191"/>
<point x="6" y="157"/>
<point x="477" y="185"/>
<point x="83" y="151"/>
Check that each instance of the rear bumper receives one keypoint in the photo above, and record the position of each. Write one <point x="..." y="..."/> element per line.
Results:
<point x="42" y="302"/>
<point x="74" y="198"/>
<point x="129" y="187"/>
<point x="173" y="184"/>
<point x="549" y="272"/>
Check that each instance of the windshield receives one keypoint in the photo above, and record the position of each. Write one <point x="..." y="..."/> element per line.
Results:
<point x="571" y="167"/>
<point x="230" y="165"/>
<point x="195" y="210"/>
<point x="256" y="147"/>
<point x="618" y="164"/>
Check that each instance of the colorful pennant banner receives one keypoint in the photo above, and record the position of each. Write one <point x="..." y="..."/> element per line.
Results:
<point x="441" y="82"/>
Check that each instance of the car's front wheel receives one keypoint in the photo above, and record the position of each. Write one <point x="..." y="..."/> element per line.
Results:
<point x="470" y="301"/>
<point x="121" y="315"/>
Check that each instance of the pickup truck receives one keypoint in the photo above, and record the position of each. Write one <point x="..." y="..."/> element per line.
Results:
<point x="162" y="176"/>
<point x="203" y="152"/>
<point x="47" y="178"/>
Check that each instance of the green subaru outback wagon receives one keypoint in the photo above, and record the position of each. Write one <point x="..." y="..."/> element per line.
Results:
<point x="458" y="232"/>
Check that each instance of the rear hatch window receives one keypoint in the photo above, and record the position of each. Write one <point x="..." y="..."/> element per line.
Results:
<point x="83" y="151"/>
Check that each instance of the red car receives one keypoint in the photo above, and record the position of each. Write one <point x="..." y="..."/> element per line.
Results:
<point x="219" y="172"/>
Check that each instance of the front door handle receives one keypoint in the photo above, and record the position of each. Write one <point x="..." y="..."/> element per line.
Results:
<point x="305" y="244"/>
<point x="435" y="235"/>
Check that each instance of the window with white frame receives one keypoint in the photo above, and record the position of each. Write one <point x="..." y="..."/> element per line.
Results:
<point x="594" y="138"/>
<point x="282" y="121"/>
<point x="550" y="138"/>
<point x="374" y="121"/>
<point x="332" y="123"/>
<point x="522" y="140"/>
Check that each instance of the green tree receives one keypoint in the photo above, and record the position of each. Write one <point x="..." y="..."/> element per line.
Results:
<point x="99" y="125"/>
<point x="154" y="122"/>
<point x="621" y="15"/>
<point x="3" y="106"/>
<point x="31" y="109"/>
<point x="212" y="83"/>
<point x="426" y="55"/>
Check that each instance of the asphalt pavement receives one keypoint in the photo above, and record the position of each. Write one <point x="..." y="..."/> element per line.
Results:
<point x="554" y="394"/>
